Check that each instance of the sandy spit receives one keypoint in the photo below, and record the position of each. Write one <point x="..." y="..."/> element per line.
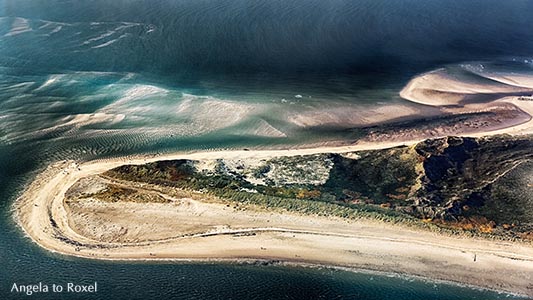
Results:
<point x="44" y="216"/>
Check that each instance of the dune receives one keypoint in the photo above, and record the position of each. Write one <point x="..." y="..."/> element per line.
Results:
<point x="519" y="80"/>
<point x="441" y="88"/>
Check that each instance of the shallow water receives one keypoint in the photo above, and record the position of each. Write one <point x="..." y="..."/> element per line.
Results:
<point x="88" y="79"/>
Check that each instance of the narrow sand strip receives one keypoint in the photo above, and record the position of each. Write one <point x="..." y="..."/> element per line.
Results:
<point x="43" y="215"/>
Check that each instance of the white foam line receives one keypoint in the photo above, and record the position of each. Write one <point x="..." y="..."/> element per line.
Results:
<point x="51" y="80"/>
<point x="19" y="25"/>
<point x="102" y="36"/>
<point x="57" y="29"/>
<point x="111" y="41"/>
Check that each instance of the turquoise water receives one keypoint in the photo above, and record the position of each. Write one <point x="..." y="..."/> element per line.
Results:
<point x="90" y="79"/>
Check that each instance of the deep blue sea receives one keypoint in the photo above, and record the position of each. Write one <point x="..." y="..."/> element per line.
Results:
<point x="83" y="79"/>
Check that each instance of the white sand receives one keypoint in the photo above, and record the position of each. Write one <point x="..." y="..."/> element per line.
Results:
<point x="155" y="231"/>
<point x="288" y="237"/>
<point x="438" y="88"/>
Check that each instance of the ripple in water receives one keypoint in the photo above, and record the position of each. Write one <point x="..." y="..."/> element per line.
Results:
<point x="89" y="79"/>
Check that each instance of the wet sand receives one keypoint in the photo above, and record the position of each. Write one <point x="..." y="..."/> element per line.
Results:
<point x="191" y="229"/>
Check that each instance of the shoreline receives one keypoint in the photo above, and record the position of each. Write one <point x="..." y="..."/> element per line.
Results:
<point x="41" y="213"/>
<point x="307" y="265"/>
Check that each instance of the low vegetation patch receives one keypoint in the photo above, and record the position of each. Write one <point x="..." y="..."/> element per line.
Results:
<point x="449" y="184"/>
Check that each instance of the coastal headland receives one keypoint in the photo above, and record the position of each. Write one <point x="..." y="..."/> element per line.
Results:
<point x="298" y="205"/>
